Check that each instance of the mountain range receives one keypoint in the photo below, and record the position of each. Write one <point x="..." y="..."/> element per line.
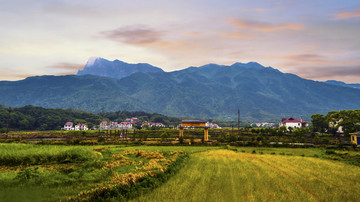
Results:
<point x="340" y="83"/>
<point x="209" y="91"/>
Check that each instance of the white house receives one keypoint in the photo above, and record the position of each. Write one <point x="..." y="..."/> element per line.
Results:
<point x="156" y="125"/>
<point x="77" y="126"/>
<point x="84" y="127"/>
<point x="125" y="125"/>
<point x="68" y="126"/>
<point x="104" y="125"/>
<point x="335" y="123"/>
<point x="213" y="125"/>
<point x="294" y="123"/>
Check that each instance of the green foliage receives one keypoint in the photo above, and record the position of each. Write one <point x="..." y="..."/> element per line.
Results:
<point x="348" y="119"/>
<point x="38" y="118"/>
<point x="20" y="154"/>
<point x="27" y="174"/>
<point x="319" y="123"/>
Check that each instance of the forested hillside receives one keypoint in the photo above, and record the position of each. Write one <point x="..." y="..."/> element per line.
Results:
<point x="39" y="118"/>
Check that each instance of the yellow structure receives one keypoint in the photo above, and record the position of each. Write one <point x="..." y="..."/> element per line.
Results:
<point x="194" y="124"/>
<point x="355" y="138"/>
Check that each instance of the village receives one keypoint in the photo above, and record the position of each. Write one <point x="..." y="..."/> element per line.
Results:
<point x="129" y="123"/>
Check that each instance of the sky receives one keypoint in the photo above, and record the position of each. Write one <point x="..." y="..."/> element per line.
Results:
<point x="315" y="39"/>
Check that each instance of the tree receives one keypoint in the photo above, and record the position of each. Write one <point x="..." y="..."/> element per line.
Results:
<point x="319" y="123"/>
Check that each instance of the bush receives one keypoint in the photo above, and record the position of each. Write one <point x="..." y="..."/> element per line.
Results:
<point x="27" y="174"/>
<point x="330" y="152"/>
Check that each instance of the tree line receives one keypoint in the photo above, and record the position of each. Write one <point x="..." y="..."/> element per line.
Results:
<point x="39" y="118"/>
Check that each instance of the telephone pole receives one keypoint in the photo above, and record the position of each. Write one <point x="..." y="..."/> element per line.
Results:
<point x="238" y="122"/>
<point x="8" y="121"/>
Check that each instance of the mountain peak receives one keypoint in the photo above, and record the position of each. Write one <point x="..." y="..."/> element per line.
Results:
<point x="91" y="61"/>
<point x="254" y="65"/>
<point x="115" y="69"/>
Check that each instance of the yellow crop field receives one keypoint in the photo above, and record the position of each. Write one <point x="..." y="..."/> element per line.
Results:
<point x="223" y="175"/>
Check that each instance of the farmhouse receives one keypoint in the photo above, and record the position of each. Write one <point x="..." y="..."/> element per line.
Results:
<point x="104" y="125"/>
<point x="79" y="126"/>
<point x="125" y="125"/>
<point x="68" y="126"/>
<point x="355" y="138"/>
<point x="150" y="124"/>
<point x="293" y="123"/>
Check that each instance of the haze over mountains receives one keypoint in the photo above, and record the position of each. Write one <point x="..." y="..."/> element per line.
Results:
<point x="210" y="91"/>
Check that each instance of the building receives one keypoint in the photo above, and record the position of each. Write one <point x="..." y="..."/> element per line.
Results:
<point x="83" y="127"/>
<point x="293" y="123"/>
<point x="103" y="125"/>
<point x="213" y="125"/>
<point x="77" y="126"/>
<point x="156" y="125"/>
<point x="125" y="125"/>
<point x="355" y="138"/>
<point x="264" y="125"/>
<point x="335" y="124"/>
<point x="134" y="119"/>
<point x="68" y="126"/>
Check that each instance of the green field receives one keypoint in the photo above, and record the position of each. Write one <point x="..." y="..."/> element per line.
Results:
<point x="30" y="172"/>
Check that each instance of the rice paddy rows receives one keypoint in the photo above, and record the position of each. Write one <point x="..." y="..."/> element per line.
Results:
<point x="223" y="175"/>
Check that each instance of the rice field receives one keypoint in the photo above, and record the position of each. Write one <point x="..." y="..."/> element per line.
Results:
<point x="223" y="175"/>
<point x="30" y="172"/>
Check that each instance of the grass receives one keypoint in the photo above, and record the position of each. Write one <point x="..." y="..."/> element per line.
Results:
<point x="30" y="154"/>
<point x="223" y="175"/>
<point x="30" y="172"/>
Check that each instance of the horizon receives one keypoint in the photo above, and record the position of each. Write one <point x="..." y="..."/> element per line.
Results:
<point x="312" y="39"/>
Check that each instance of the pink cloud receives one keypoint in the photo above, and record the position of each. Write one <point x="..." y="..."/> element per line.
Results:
<point x="139" y="35"/>
<point x="67" y="66"/>
<point x="347" y="15"/>
<point x="265" y="27"/>
<point x="236" y="35"/>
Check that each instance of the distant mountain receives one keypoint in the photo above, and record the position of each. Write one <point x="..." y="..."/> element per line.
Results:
<point x="115" y="69"/>
<point x="210" y="91"/>
<point x="340" y="83"/>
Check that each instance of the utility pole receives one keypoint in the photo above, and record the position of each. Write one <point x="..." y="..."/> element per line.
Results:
<point x="238" y="122"/>
<point x="8" y="121"/>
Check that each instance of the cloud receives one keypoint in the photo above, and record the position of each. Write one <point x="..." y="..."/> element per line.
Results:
<point x="13" y="75"/>
<point x="306" y="58"/>
<point x="138" y="35"/>
<point x="265" y="27"/>
<point x="347" y="15"/>
<point x="328" y="72"/>
<point x="67" y="66"/>
<point x="236" y="35"/>
<point x="151" y="38"/>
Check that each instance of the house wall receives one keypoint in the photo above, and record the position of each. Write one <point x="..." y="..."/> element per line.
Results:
<point x="291" y="124"/>
<point x="354" y="139"/>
